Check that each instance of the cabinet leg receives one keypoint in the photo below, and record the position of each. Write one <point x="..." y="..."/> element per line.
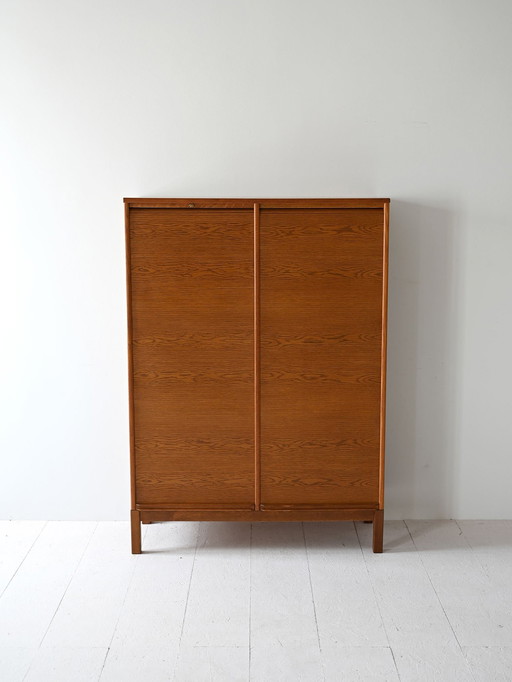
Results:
<point x="378" y="530"/>
<point x="136" y="537"/>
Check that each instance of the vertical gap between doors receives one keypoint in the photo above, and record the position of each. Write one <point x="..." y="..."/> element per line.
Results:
<point x="257" y="460"/>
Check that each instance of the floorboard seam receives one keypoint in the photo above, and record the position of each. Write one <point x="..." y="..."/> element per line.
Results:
<point x="437" y="595"/>
<point x="186" y="604"/>
<point x="24" y="557"/>
<point x="484" y="570"/>
<point x="69" y="583"/>
<point x="376" y="600"/>
<point x="394" y="661"/>
<point x="470" y="546"/>
<point x="120" y="613"/>
<point x="62" y="597"/>
<point x="311" y="587"/>
<point x="29" y="550"/>
<point x="250" y="598"/>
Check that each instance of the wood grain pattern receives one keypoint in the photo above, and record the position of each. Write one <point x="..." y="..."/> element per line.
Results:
<point x="257" y="354"/>
<point x="192" y="345"/>
<point x="131" y="407"/>
<point x="195" y="506"/>
<point x="195" y="203"/>
<point x="321" y="287"/>
<point x="384" y="346"/>
<point x="257" y="371"/>
<point x="323" y="514"/>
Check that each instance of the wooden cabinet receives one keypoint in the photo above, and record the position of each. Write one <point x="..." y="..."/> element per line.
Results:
<point x="257" y="346"/>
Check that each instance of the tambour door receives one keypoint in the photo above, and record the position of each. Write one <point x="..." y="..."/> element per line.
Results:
<point x="192" y="357"/>
<point x="321" y="310"/>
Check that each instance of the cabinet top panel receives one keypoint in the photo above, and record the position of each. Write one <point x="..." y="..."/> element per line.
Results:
<point x="193" y="202"/>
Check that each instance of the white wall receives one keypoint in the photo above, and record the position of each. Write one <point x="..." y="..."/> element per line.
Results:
<point x="287" y="98"/>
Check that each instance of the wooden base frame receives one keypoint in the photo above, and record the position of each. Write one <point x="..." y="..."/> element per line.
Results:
<point x="375" y="516"/>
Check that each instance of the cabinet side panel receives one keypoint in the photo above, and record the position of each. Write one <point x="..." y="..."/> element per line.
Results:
<point x="130" y="357"/>
<point x="321" y="340"/>
<point x="385" y="266"/>
<point x="192" y="340"/>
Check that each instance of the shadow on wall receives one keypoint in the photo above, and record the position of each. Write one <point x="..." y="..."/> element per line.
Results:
<point x="424" y="309"/>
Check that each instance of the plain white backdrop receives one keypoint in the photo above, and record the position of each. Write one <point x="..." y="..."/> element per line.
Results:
<point x="277" y="98"/>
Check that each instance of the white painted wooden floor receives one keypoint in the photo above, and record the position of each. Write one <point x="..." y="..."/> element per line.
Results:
<point x="229" y="602"/>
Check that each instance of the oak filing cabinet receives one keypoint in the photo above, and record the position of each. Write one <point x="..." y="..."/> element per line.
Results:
<point x="257" y="359"/>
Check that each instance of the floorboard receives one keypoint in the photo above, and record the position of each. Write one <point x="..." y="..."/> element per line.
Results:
<point x="235" y="602"/>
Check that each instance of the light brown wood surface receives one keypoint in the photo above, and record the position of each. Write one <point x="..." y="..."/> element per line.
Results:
<point x="193" y="375"/>
<point x="378" y="531"/>
<point x="257" y="356"/>
<point x="257" y="345"/>
<point x="249" y="203"/>
<point x="321" y="297"/>
<point x="273" y="515"/>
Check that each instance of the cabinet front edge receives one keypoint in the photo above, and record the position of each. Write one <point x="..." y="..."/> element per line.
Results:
<point x="192" y="202"/>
